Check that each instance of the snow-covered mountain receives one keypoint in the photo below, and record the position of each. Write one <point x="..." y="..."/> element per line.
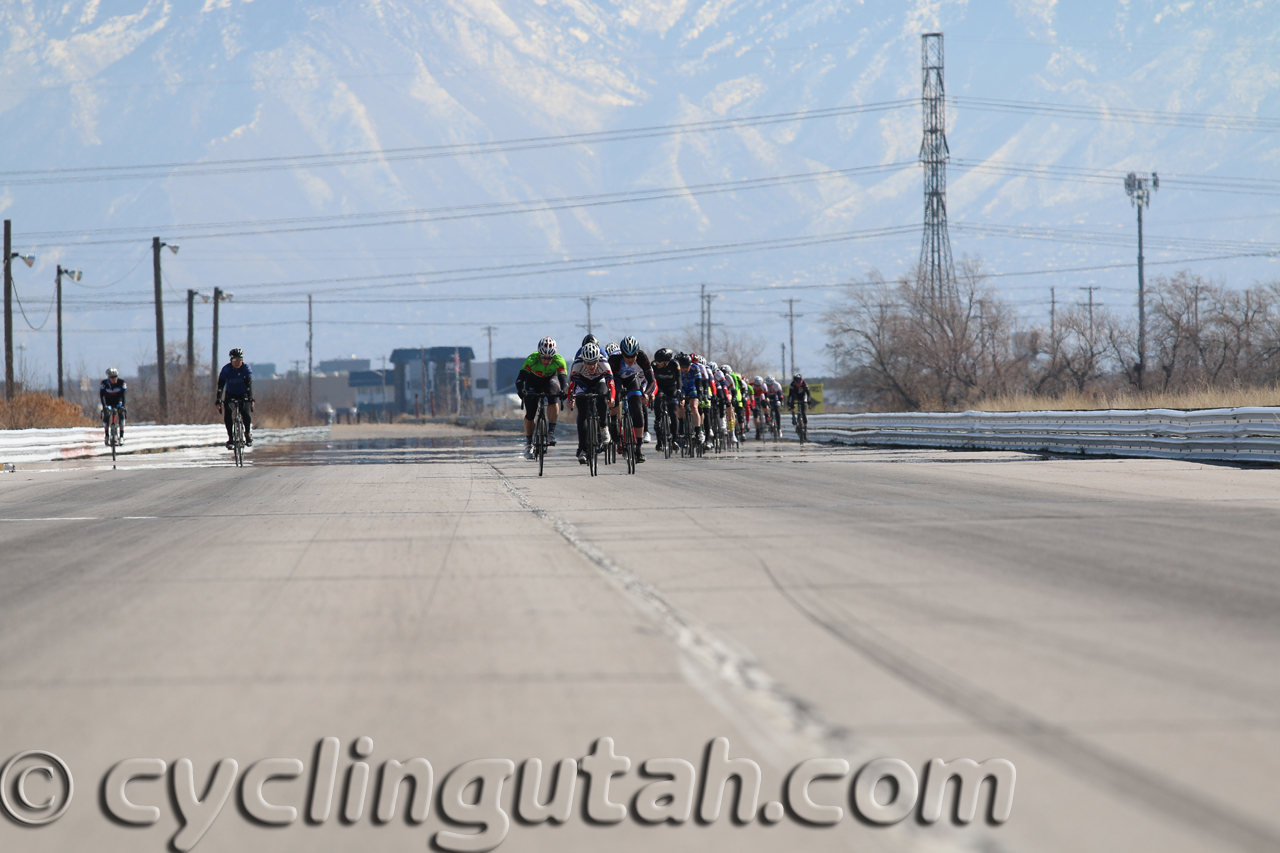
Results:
<point x="158" y="87"/>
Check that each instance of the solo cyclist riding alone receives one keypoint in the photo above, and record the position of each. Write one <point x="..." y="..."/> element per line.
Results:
<point x="237" y="380"/>
<point x="111" y="393"/>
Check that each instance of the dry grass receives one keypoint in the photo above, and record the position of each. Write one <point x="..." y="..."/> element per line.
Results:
<point x="1204" y="398"/>
<point x="31" y="410"/>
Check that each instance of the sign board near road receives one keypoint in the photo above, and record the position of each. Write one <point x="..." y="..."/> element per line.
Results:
<point x="815" y="391"/>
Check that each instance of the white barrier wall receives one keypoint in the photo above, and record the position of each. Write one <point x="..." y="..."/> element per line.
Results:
<point x="47" y="445"/>
<point x="1243" y="434"/>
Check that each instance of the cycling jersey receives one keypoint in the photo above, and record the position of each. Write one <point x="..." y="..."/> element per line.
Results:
<point x="798" y="392"/>
<point x="112" y="394"/>
<point x="238" y="381"/>
<point x="638" y="378"/>
<point x="534" y="366"/>
<point x="668" y="378"/>
<point x="588" y="378"/>
<point x="695" y="381"/>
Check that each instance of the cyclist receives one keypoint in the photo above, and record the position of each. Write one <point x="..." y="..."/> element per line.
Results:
<point x="236" y="379"/>
<point x="735" y="401"/>
<point x="798" y="390"/>
<point x="760" y="391"/>
<point x="111" y="393"/>
<point x="666" y="374"/>
<point x="543" y="373"/>
<point x="693" y="387"/>
<point x="591" y="375"/>
<point x="634" y="376"/>
<point x="589" y="339"/>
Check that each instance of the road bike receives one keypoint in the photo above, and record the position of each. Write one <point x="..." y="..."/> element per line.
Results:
<point x="775" y="419"/>
<point x="595" y="446"/>
<point x="237" y="430"/>
<point x="113" y="430"/>
<point x="664" y="424"/>
<point x="540" y="432"/>
<point x="800" y="420"/>
<point x="627" y="435"/>
<point x="690" y="446"/>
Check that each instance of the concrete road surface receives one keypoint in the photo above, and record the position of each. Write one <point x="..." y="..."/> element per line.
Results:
<point x="1111" y="628"/>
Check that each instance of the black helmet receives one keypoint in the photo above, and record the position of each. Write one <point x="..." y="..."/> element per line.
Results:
<point x="797" y="378"/>
<point x="630" y="346"/>
<point x="236" y="352"/>
<point x="663" y="355"/>
<point x="683" y="360"/>
<point x="589" y="339"/>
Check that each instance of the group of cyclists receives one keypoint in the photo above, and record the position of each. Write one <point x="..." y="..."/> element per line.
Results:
<point x="711" y="399"/>
<point x="235" y="383"/>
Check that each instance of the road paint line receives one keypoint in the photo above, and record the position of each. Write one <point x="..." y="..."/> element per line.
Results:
<point x="66" y="518"/>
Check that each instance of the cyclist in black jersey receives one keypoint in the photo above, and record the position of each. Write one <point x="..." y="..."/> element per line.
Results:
<point x="634" y="377"/>
<point x="111" y="393"/>
<point x="798" y="390"/>
<point x="667" y="378"/>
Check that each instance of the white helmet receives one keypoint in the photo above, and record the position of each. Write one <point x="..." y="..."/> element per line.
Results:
<point x="547" y="347"/>
<point x="726" y="368"/>
<point x="590" y="353"/>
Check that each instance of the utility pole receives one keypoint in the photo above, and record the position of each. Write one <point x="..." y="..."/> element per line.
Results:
<point x="1053" y="323"/>
<point x="75" y="276"/>
<point x="213" y="373"/>
<point x="936" y="266"/>
<point x="384" y="390"/>
<point x="588" y="300"/>
<point x="1091" y="289"/>
<point x="791" y="323"/>
<point x="310" y="340"/>
<point x="161" y="390"/>
<point x="457" y="380"/>
<point x="702" y="316"/>
<point x="191" y="334"/>
<point x="422" y="365"/>
<point x="708" y="298"/>
<point x="784" y="359"/>
<point x="8" y="309"/>
<point x="489" y="330"/>
<point x="1139" y="189"/>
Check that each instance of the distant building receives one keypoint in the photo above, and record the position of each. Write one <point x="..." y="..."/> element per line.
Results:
<point x="343" y="365"/>
<point x="374" y="390"/>
<point x="430" y="380"/>
<point x="263" y="369"/>
<point x="505" y="371"/>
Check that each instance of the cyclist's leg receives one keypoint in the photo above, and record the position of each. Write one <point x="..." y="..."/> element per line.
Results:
<point x="581" y="403"/>
<point x="247" y="417"/>
<point x="227" y="403"/>
<point x="530" y="413"/>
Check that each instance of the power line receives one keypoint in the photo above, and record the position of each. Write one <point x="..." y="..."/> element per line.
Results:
<point x="1216" y="121"/>
<point x="455" y="212"/>
<point x="381" y="155"/>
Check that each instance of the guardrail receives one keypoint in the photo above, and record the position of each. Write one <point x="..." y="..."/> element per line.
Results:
<point x="1243" y="434"/>
<point x="48" y="445"/>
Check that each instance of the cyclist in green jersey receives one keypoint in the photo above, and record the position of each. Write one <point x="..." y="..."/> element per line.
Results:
<point x="544" y="373"/>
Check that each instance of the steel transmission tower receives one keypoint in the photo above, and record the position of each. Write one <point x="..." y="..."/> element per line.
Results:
<point x="936" y="265"/>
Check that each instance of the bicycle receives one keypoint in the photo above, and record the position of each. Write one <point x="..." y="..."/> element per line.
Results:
<point x="775" y="423"/>
<point x="800" y="421"/>
<point x="664" y="425"/>
<point x="237" y="430"/>
<point x="113" y="430"/>
<point x="540" y="432"/>
<point x="627" y="436"/>
<point x="594" y="444"/>
<point x="690" y="446"/>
